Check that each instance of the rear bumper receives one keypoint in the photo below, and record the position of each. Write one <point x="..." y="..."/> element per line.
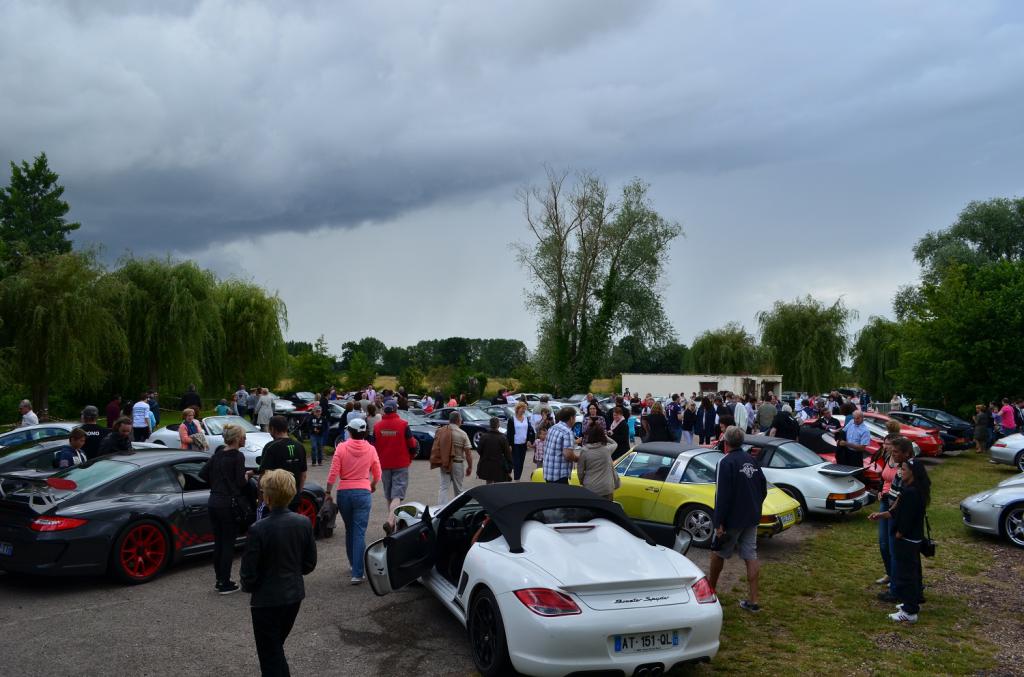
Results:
<point x="56" y="553"/>
<point x="559" y="646"/>
<point x="850" y="504"/>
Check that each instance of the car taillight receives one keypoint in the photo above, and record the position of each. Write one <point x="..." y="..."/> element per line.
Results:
<point x="1000" y="445"/>
<point x="703" y="591"/>
<point x="56" y="523"/>
<point x="545" y="602"/>
<point x="768" y="519"/>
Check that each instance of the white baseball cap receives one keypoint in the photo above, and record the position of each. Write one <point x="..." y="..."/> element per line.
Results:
<point x="357" y="425"/>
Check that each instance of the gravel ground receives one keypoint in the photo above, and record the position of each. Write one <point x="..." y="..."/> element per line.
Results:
<point x="178" y="625"/>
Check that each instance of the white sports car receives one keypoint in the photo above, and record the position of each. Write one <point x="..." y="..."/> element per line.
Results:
<point x="551" y="579"/>
<point x="213" y="426"/>
<point x="818" y="486"/>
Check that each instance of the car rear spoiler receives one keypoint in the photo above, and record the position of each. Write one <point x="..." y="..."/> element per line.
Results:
<point x="835" y="470"/>
<point x="39" y="499"/>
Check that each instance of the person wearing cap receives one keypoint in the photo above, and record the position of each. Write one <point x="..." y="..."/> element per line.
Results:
<point x="356" y="468"/>
<point x="94" y="433"/>
<point x="396" y="447"/>
<point x="316" y="427"/>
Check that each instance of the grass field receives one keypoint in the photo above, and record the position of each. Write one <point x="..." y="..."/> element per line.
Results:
<point x="820" y="614"/>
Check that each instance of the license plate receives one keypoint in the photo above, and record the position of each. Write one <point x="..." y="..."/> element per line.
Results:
<point x="646" y="641"/>
<point x="788" y="518"/>
<point x="6" y="549"/>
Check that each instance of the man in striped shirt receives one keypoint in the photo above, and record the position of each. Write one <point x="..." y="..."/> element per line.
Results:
<point x="559" y="449"/>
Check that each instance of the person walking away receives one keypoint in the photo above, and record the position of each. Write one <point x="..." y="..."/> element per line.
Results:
<point x="619" y="432"/>
<point x="191" y="400"/>
<point x="71" y="454"/>
<point x="766" y="414"/>
<point x="784" y="425"/>
<point x="372" y="419"/>
<point x="452" y="453"/>
<point x="279" y="551"/>
<point x="594" y="467"/>
<point x="316" y="428"/>
<point x="154" y="407"/>
<point x="707" y="421"/>
<point x="264" y="410"/>
<point x="520" y="435"/>
<point x="656" y="425"/>
<point x="285" y="453"/>
<point x="356" y="468"/>
<point x="908" y="519"/>
<point x="495" y="453"/>
<point x="740" y="490"/>
<point x="560" y="448"/>
<point x="396" y="447"/>
<point x="190" y="433"/>
<point x="689" y="423"/>
<point x="226" y="474"/>
<point x="140" y="419"/>
<point x="242" y="399"/>
<point x="28" y="417"/>
<point x="94" y="433"/>
<point x="674" y="414"/>
<point x="119" y="441"/>
<point x="250" y="403"/>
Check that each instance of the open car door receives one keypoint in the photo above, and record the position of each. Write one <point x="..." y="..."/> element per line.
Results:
<point x="397" y="560"/>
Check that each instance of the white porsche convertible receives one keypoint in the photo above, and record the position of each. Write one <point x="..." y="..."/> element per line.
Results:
<point x="213" y="426"/>
<point x="551" y="579"/>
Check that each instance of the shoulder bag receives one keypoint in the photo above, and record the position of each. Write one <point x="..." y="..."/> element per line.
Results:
<point x="927" y="544"/>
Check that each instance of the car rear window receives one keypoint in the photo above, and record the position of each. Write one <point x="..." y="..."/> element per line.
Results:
<point x="96" y="473"/>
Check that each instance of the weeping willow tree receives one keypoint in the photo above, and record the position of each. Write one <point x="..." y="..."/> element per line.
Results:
<point x="727" y="350"/>
<point x="62" y="321"/>
<point x="805" y="341"/>
<point x="253" y="348"/>
<point x="876" y="356"/>
<point x="172" y="322"/>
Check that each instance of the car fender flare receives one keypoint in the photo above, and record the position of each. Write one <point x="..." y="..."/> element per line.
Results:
<point x="686" y="506"/>
<point x="1002" y="516"/>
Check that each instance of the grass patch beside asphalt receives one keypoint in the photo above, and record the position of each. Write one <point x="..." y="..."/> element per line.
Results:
<point x="819" y="610"/>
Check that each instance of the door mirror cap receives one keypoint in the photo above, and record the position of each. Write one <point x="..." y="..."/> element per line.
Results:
<point x="682" y="542"/>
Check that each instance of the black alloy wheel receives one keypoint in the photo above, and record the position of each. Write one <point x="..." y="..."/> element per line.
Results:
<point x="487" y="636"/>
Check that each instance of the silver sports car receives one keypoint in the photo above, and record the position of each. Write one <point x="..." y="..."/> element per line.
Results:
<point x="998" y="511"/>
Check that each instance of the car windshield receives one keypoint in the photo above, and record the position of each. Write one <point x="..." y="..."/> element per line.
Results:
<point x="793" y="455"/>
<point x="473" y="414"/>
<point x="411" y="419"/>
<point x="215" y="424"/>
<point x="875" y="428"/>
<point x="942" y="416"/>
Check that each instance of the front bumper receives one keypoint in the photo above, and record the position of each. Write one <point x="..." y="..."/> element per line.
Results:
<point x="1004" y="455"/>
<point x="980" y="516"/>
<point x="557" y="646"/>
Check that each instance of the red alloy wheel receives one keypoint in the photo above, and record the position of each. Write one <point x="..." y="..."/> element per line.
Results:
<point x="143" y="552"/>
<point x="307" y="508"/>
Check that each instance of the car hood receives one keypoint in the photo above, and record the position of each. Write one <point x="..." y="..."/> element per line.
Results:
<point x="599" y="561"/>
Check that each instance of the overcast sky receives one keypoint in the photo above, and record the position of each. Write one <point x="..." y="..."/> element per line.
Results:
<point x="362" y="159"/>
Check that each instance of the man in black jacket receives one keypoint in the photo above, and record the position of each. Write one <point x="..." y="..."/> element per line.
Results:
<point x="119" y="440"/>
<point x="740" y="490"/>
<point x="279" y="551"/>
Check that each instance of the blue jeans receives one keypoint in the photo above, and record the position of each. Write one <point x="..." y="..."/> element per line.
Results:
<point x="316" y="446"/>
<point x="687" y="437"/>
<point x="885" y="540"/>
<point x="355" y="505"/>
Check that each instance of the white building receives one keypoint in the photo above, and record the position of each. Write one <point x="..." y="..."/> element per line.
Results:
<point x="665" y="384"/>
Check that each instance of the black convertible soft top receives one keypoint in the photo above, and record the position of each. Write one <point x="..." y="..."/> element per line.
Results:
<point x="509" y="504"/>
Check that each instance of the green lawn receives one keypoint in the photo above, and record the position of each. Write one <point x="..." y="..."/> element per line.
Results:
<point x="820" y="614"/>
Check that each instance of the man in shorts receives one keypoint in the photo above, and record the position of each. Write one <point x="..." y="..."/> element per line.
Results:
<point x="396" y="447"/>
<point x="740" y="490"/>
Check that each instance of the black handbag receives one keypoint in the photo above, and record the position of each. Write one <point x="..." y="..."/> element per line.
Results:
<point x="927" y="544"/>
<point x="244" y="515"/>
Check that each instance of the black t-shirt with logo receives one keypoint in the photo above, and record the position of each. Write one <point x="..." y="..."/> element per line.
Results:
<point x="287" y="454"/>
<point x="94" y="434"/>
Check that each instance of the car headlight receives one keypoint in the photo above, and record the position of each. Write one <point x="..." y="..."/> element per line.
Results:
<point x="981" y="497"/>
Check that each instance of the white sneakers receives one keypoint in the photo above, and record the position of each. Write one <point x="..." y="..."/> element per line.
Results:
<point x="356" y="580"/>
<point x="883" y="580"/>
<point x="902" y="616"/>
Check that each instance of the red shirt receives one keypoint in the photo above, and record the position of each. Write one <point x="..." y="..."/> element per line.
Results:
<point x="394" y="441"/>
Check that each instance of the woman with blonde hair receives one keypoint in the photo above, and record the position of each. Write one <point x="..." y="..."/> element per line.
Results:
<point x="521" y="434"/>
<point x="226" y="474"/>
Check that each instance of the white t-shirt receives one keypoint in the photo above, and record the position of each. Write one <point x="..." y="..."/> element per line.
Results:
<point x="29" y="419"/>
<point x="521" y="430"/>
<point x="140" y="414"/>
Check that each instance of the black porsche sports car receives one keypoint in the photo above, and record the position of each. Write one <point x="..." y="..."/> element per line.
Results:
<point x="475" y="422"/>
<point x="131" y="515"/>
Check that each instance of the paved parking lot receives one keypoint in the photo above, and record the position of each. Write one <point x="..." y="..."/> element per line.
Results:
<point x="178" y="625"/>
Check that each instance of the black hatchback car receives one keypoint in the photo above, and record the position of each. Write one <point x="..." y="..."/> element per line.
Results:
<point x="130" y="514"/>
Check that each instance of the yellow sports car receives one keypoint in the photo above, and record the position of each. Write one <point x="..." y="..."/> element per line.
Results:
<point x="667" y="487"/>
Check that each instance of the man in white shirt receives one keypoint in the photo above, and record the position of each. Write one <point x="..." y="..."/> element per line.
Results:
<point x="28" y="417"/>
<point x="140" y="418"/>
<point x="739" y="413"/>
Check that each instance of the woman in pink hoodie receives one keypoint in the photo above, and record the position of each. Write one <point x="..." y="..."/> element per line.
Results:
<point x="356" y="469"/>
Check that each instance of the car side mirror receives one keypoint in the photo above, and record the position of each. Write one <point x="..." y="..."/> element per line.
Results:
<point x="683" y="541"/>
